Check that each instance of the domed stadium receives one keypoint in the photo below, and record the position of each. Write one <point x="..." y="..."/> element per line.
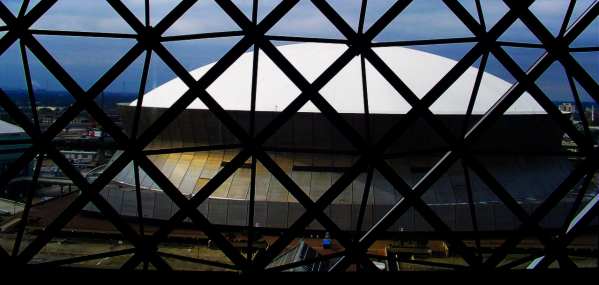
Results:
<point x="315" y="154"/>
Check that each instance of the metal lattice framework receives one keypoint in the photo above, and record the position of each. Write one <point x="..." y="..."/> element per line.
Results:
<point x="361" y="43"/>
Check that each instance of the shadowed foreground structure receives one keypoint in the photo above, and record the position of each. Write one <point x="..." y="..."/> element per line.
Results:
<point x="411" y="148"/>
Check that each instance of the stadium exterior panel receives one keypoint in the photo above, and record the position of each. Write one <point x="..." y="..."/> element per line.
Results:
<point x="314" y="154"/>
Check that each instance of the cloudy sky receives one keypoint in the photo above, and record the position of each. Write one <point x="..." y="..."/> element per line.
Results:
<point x="87" y="58"/>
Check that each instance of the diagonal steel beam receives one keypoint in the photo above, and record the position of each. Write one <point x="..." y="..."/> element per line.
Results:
<point x="519" y="74"/>
<point x="506" y="102"/>
<point x="404" y="91"/>
<point x="263" y="21"/>
<point x="578" y="223"/>
<point x="71" y="112"/>
<point x="586" y="167"/>
<point x="347" y="31"/>
<point x="343" y="237"/>
<point x="308" y="90"/>
<point x="17" y="26"/>
<point x="186" y="206"/>
<point x="388" y="19"/>
<point x="558" y="47"/>
<point x="539" y="68"/>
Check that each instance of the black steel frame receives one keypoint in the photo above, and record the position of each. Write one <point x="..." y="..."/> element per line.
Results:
<point x="150" y="39"/>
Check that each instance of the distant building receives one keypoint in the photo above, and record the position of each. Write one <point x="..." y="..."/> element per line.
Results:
<point x="566" y="108"/>
<point x="81" y="159"/>
<point x="48" y="114"/>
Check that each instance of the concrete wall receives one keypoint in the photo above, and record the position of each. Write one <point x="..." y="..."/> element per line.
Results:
<point x="490" y="216"/>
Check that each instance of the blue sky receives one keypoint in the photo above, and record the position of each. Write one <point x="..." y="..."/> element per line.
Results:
<point x="87" y="58"/>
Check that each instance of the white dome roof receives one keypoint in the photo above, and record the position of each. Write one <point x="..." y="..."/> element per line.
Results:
<point x="419" y="70"/>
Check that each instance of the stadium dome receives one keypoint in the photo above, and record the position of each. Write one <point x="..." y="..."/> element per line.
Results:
<point x="419" y="70"/>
